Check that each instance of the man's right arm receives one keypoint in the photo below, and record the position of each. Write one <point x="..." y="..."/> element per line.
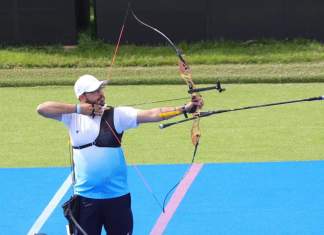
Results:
<point x="54" y="110"/>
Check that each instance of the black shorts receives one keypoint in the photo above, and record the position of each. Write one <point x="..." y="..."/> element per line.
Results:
<point x="114" y="214"/>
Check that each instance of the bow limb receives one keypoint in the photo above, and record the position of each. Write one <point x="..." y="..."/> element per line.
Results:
<point x="186" y="75"/>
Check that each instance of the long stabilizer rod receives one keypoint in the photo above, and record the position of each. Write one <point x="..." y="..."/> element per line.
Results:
<point x="214" y="112"/>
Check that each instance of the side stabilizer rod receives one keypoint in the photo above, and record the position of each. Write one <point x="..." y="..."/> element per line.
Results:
<point x="217" y="87"/>
<point x="214" y="112"/>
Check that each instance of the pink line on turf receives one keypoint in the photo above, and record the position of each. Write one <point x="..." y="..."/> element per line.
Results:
<point x="176" y="199"/>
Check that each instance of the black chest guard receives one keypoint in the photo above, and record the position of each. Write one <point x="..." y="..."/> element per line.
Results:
<point x="108" y="135"/>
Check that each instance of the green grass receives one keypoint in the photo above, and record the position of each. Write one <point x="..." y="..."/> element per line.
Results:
<point x="226" y="73"/>
<point x="31" y="75"/>
<point x="92" y="53"/>
<point x="286" y="133"/>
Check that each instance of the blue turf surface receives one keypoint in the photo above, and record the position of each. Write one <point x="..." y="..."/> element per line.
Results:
<point x="24" y="194"/>
<point x="254" y="198"/>
<point x="246" y="198"/>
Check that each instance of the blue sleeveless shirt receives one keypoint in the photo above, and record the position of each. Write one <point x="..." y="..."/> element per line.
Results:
<point x="100" y="169"/>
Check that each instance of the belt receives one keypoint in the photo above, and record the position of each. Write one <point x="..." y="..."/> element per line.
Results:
<point x="84" y="146"/>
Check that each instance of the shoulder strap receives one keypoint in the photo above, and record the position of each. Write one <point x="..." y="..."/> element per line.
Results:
<point x="71" y="163"/>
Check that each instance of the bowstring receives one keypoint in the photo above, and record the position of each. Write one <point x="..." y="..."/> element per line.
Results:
<point x="118" y="41"/>
<point x="184" y="175"/>
<point x="139" y="173"/>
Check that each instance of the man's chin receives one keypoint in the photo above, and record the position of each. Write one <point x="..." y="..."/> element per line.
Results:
<point x="101" y="102"/>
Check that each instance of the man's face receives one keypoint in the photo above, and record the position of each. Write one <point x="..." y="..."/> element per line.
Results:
<point x="95" y="97"/>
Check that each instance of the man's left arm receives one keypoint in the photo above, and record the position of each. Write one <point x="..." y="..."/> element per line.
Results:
<point x="164" y="113"/>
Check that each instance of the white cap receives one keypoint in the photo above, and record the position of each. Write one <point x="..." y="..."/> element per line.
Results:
<point x="87" y="83"/>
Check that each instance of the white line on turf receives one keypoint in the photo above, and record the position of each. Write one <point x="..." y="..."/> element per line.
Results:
<point x="51" y="206"/>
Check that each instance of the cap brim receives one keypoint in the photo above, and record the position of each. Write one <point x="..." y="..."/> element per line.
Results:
<point x="98" y="86"/>
<point x="104" y="82"/>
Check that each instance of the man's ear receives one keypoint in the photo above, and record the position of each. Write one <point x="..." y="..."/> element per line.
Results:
<point x="82" y="98"/>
